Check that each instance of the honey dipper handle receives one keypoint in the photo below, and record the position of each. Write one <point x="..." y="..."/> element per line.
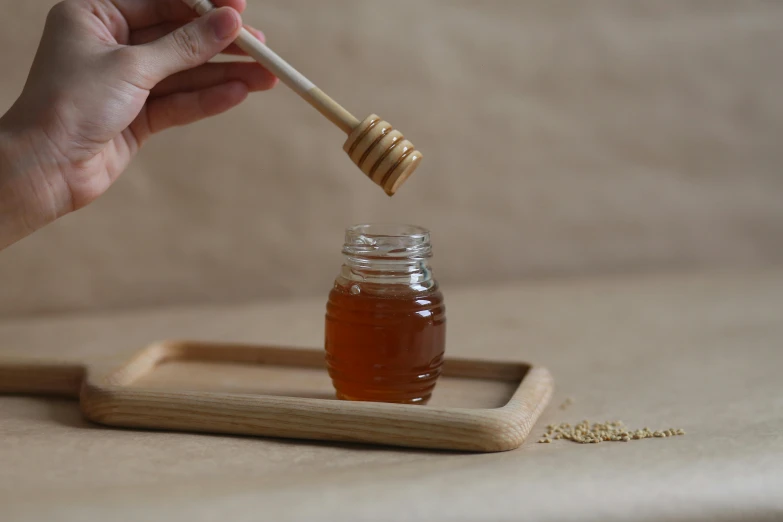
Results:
<point x="332" y="110"/>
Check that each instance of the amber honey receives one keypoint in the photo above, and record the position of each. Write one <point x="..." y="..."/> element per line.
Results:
<point x="385" y="317"/>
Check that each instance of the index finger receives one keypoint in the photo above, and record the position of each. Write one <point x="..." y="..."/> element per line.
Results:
<point x="145" y="13"/>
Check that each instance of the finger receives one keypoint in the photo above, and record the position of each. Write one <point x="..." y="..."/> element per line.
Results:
<point x="186" y="47"/>
<point x="153" y="32"/>
<point x="150" y="34"/>
<point x="255" y="77"/>
<point x="187" y="107"/>
<point x="146" y="13"/>
<point x="235" y="50"/>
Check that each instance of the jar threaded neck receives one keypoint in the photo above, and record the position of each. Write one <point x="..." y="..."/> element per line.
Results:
<point x="387" y="253"/>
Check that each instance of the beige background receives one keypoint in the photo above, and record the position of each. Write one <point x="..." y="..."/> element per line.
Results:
<point x="560" y="138"/>
<point x="563" y="139"/>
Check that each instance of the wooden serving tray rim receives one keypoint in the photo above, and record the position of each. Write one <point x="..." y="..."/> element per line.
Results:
<point x="106" y="398"/>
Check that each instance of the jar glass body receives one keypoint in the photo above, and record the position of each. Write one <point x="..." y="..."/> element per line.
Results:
<point x="385" y="318"/>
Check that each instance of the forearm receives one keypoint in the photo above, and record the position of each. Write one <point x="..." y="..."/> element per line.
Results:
<point x="28" y="197"/>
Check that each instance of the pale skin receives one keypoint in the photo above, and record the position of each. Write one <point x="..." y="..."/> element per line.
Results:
<point x="107" y="76"/>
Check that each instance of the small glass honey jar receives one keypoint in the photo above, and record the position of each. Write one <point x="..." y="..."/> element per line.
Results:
<point x="385" y="318"/>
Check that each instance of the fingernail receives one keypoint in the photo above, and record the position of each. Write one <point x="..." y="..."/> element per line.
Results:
<point x="224" y="22"/>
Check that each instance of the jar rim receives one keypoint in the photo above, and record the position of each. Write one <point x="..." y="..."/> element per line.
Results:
<point x="387" y="240"/>
<point x="390" y="230"/>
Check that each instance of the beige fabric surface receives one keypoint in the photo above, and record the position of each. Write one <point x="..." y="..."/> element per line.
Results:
<point x="698" y="352"/>
<point x="560" y="138"/>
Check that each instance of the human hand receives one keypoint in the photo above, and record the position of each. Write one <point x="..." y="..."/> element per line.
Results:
<point x="108" y="74"/>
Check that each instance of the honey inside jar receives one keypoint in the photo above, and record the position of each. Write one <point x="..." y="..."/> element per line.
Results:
<point x="385" y="317"/>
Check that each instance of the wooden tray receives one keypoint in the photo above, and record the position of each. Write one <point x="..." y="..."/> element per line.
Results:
<point x="282" y="392"/>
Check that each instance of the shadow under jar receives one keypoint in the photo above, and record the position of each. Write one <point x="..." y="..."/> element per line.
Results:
<point x="385" y="318"/>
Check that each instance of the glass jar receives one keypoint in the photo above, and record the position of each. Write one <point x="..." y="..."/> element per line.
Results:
<point x="385" y="318"/>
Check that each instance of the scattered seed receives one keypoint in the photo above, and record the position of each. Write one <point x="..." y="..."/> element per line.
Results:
<point x="610" y="431"/>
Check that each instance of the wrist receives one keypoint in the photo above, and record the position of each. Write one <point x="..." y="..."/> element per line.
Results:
<point x="32" y="194"/>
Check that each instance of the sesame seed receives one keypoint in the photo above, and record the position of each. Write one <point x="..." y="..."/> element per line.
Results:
<point x="609" y="431"/>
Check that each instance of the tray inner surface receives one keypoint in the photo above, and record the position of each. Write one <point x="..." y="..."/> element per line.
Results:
<point x="293" y="381"/>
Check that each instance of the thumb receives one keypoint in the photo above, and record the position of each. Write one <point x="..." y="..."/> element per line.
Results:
<point x="192" y="44"/>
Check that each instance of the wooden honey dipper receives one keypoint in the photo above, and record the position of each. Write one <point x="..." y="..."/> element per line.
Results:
<point x="380" y="151"/>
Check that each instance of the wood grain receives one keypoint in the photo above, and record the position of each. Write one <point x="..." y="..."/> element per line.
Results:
<point x="382" y="153"/>
<point x="45" y="378"/>
<point x="111" y="398"/>
<point x="302" y="381"/>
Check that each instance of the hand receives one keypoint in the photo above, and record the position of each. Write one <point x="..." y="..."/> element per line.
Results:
<point x="108" y="74"/>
